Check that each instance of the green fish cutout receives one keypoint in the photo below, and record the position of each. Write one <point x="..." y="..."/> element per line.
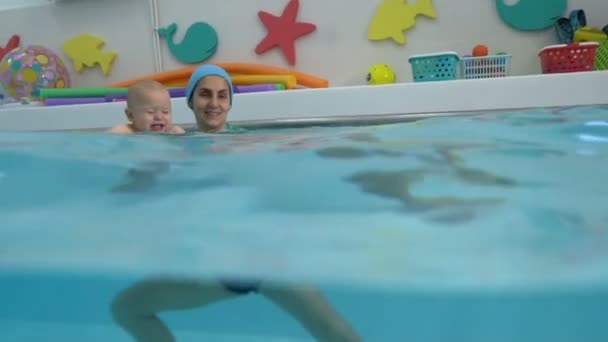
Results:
<point x="531" y="15"/>
<point x="199" y="43"/>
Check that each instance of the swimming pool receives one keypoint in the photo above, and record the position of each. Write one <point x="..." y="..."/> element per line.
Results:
<point x="489" y="227"/>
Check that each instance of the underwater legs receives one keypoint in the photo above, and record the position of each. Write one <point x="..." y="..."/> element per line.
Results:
<point x="313" y="311"/>
<point x="136" y="308"/>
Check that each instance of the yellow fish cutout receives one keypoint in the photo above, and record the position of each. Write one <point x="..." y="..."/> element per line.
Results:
<point x="85" y="50"/>
<point x="395" y="16"/>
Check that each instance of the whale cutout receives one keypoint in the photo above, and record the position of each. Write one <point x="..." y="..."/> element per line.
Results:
<point x="199" y="43"/>
<point x="531" y="15"/>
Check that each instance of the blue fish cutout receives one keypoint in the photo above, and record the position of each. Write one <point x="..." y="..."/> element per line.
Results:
<point x="531" y="15"/>
<point x="199" y="43"/>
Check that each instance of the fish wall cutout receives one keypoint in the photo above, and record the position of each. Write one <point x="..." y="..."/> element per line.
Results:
<point x="13" y="42"/>
<point x="393" y="17"/>
<point x="531" y="15"/>
<point x="199" y="44"/>
<point x="85" y="51"/>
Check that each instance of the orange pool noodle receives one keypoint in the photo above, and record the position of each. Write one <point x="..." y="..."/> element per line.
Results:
<point x="179" y="77"/>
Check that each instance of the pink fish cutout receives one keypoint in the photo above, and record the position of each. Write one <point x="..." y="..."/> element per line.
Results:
<point x="12" y="43"/>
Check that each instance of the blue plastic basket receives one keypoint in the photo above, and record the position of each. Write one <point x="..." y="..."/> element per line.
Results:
<point x="440" y="66"/>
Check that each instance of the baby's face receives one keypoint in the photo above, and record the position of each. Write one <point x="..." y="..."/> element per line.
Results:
<point x="152" y="112"/>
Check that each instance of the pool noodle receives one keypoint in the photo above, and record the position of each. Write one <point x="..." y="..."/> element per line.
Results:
<point x="288" y="80"/>
<point x="304" y="79"/>
<point x="177" y="92"/>
<point x="79" y="92"/>
<point x="258" y="88"/>
<point x="63" y="101"/>
<point x="173" y="92"/>
<point x="179" y="77"/>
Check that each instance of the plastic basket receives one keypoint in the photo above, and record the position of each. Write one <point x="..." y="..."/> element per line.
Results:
<point x="440" y="66"/>
<point x="601" y="56"/>
<point x="568" y="58"/>
<point x="486" y="66"/>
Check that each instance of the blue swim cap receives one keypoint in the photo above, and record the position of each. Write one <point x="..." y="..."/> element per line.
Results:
<point x="204" y="71"/>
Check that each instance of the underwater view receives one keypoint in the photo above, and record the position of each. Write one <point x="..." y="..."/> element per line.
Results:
<point x="486" y="227"/>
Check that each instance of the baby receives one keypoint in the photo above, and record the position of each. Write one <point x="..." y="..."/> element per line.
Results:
<point x="148" y="110"/>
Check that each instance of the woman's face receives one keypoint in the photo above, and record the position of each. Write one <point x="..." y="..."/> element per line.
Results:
<point x="210" y="103"/>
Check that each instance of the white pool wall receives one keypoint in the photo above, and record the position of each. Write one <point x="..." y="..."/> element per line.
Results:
<point x="508" y="93"/>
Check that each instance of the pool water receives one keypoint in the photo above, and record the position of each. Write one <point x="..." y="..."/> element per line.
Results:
<point x="489" y="227"/>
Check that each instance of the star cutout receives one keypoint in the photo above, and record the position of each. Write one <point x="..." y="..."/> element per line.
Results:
<point x="282" y="31"/>
<point x="12" y="43"/>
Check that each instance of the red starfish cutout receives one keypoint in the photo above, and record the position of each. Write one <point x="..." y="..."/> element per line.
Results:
<point x="282" y="31"/>
<point x="12" y="43"/>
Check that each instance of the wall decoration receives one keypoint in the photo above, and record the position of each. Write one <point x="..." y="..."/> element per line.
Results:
<point x="199" y="44"/>
<point x="85" y="50"/>
<point x="531" y="15"/>
<point x="26" y="70"/>
<point x="393" y="17"/>
<point x="13" y="43"/>
<point x="283" y="30"/>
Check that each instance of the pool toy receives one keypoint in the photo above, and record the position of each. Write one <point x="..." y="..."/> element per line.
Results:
<point x="392" y="17"/>
<point x="258" y="88"/>
<point x="563" y="30"/>
<point x="283" y="31"/>
<point x="85" y="50"/>
<point x="26" y="70"/>
<point x="589" y="34"/>
<point x="578" y="19"/>
<point x="179" y="77"/>
<point x="380" y="74"/>
<point x="80" y="92"/>
<point x="531" y="15"/>
<point x="480" y="51"/>
<point x="13" y="43"/>
<point x="566" y="28"/>
<point x="71" y="96"/>
<point x="289" y="81"/>
<point x="199" y="44"/>
<point x="64" y="101"/>
<point x="95" y="92"/>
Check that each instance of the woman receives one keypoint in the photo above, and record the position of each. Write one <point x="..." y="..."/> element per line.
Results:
<point x="209" y="95"/>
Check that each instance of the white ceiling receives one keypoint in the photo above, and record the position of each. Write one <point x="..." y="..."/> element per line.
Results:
<point x="12" y="4"/>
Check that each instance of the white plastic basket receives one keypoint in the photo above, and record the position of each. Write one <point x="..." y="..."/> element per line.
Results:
<point x="486" y="66"/>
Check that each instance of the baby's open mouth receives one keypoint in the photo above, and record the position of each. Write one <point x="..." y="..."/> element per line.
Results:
<point x="157" y="127"/>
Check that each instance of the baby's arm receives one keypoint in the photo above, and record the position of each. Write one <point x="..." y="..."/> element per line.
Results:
<point x="121" y="129"/>
<point x="176" y="130"/>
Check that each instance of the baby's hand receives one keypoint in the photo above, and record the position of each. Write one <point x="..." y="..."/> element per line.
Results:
<point x="176" y="130"/>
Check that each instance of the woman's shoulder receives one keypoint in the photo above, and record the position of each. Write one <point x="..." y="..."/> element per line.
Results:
<point x="234" y="129"/>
